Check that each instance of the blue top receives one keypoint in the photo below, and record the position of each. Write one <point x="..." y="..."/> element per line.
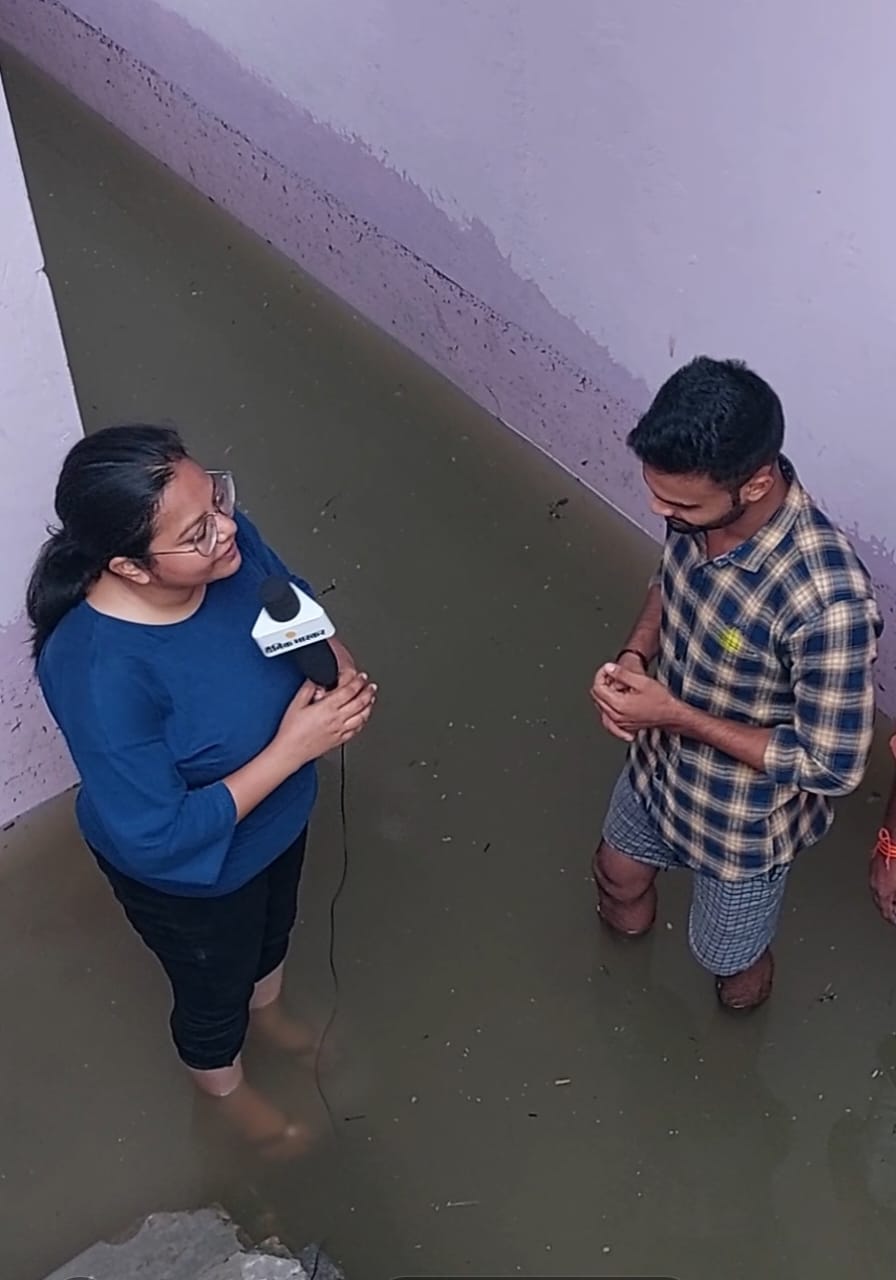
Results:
<point x="156" y="716"/>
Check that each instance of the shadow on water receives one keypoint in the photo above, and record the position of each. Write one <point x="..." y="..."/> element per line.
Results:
<point x="515" y="1094"/>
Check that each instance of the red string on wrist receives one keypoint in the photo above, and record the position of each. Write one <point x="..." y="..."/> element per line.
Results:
<point x="886" y="845"/>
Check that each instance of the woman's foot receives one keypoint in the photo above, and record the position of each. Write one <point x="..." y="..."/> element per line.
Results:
<point x="252" y="1119"/>
<point x="749" y="989"/>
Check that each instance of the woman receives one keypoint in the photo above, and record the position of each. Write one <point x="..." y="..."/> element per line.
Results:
<point x="196" y="753"/>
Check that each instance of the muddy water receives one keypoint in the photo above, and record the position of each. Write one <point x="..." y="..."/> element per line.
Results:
<point x="515" y="1093"/>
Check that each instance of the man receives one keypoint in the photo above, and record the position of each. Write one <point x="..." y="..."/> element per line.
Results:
<point x="763" y="627"/>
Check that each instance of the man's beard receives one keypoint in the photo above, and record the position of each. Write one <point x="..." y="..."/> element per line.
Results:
<point x="684" y="526"/>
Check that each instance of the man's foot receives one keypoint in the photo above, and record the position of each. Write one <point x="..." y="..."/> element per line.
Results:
<point x="749" y="989"/>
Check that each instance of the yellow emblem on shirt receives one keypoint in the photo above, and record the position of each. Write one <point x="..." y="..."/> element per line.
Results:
<point x="731" y="640"/>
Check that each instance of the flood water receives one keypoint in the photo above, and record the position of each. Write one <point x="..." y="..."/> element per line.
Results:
<point x="515" y="1093"/>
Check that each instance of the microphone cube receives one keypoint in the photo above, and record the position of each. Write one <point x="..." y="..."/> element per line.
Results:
<point x="309" y="626"/>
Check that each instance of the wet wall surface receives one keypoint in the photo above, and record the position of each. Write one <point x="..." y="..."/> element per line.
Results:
<point x="515" y="1093"/>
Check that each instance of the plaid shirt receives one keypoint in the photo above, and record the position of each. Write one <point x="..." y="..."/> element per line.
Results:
<point x="780" y="633"/>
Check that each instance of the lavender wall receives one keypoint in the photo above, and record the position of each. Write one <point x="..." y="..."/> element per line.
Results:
<point x="38" y="421"/>
<point x="555" y="204"/>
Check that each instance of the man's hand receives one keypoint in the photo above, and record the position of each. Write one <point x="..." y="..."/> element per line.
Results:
<point x="628" y="663"/>
<point x="630" y="701"/>
<point x="644" y="638"/>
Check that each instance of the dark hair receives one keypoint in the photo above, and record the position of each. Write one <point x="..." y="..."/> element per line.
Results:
<point x="715" y="418"/>
<point x="106" y="501"/>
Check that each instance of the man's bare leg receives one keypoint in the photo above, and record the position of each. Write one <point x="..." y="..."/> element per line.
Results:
<point x="626" y="891"/>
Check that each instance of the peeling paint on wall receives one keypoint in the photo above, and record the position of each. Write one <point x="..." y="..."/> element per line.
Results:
<point x="470" y="295"/>
<point x="38" y="422"/>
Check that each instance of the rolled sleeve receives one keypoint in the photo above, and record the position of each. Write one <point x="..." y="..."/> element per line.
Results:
<point x="159" y="827"/>
<point x="825" y="748"/>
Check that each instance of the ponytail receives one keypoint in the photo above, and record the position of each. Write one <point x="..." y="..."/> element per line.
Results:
<point x="107" y="496"/>
<point x="60" y="580"/>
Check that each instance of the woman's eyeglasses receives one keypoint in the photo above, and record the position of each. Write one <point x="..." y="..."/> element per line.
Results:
<point x="207" y="536"/>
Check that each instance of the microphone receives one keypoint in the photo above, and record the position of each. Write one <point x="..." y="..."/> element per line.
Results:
<point x="291" y="622"/>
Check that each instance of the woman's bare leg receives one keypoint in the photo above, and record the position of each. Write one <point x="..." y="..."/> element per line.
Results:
<point x="220" y="1083"/>
<point x="271" y="1020"/>
<point x="267" y="991"/>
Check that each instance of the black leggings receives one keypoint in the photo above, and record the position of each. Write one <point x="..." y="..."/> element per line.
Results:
<point x="214" y="950"/>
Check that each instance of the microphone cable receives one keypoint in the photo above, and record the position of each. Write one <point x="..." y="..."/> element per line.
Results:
<point x="331" y="955"/>
<point x="331" y="948"/>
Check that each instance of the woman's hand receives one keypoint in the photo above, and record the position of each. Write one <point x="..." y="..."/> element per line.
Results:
<point x="345" y="664"/>
<point x="344" y="659"/>
<point x="314" y="723"/>
<point x="317" y="722"/>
